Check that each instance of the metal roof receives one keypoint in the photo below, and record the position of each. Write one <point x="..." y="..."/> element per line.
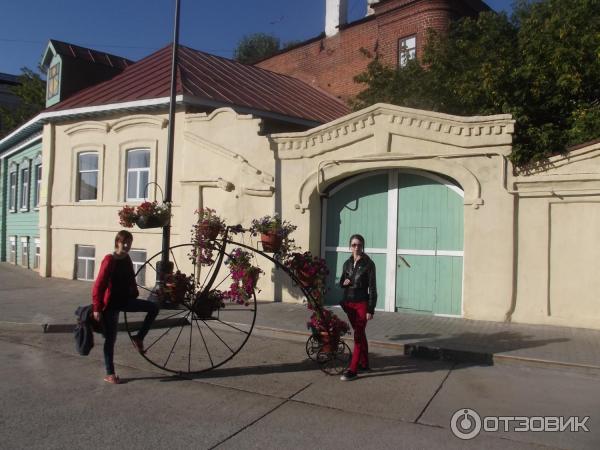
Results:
<point x="207" y="79"/>
<point x="90" y="55"/>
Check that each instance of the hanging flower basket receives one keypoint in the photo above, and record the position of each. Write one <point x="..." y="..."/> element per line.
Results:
<point x="177" y="285"/>
<point x="210" y="232"/>
<point x="206" y="305"/>
<point x="151" y="222"/>
<point x="271" y="242"/>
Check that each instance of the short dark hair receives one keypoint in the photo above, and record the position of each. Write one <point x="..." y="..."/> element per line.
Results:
<point x="359" y="237"/>
<point x="123" y="236"/>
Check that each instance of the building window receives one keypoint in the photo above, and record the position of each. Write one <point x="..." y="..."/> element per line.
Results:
<point x="13" y="191"/>
<point x="138" y="257"/>
<point x="25" y="251"/>
<point x="25" y="188"/>
<point x="138" y="173"/>
<point x="38" y="184"/>
<point x="407" y="50"/>
<point x="86" y="262"/>
<point x="53" y="73"/>
<point x="87" y="176"/>
<point x="36" y="259"/>
<point x="13" y="249"/>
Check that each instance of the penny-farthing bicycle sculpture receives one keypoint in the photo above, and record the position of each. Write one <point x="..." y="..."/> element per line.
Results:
<point x="201" y="331"/>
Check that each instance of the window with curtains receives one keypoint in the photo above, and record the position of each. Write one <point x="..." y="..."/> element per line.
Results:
<point x="87" y="176"/>
<point x="138" y="174"/>
<point x="36" y="259"/>
<point x="25" y="251"/>
<point x="24" y="201"/>
<point x="12" y="194"/>
<point x="13" y="249"/>
<point x="38" y="184"/>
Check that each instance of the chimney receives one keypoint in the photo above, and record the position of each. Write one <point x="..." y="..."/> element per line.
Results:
<point x="336" y="14"/>
<point x="370" y="9"/>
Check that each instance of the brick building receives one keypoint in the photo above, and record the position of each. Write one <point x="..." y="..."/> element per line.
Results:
<point x="393" y="29"/>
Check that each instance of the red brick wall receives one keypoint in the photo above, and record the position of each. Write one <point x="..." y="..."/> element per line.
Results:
<point x="331" y="63"/>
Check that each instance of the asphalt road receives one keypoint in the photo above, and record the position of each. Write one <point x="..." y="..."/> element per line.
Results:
<point x="270" y="397"/>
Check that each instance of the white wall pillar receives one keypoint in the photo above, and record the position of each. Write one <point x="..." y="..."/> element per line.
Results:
<point x="336" y="14"/>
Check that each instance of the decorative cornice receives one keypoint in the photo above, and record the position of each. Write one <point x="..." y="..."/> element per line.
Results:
<point x="465" y="132"/>
<point x="88" y="127"/>
<point x="139" y="121"/>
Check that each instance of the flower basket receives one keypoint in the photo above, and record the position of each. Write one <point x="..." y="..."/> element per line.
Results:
<point x="271" y="242"/>
<point x="151" y="222"/>
<point x="203" y="308"/>
<point x="210" y="232"/>
<point x="177" y="286"/>
<point x="329" y="342"/>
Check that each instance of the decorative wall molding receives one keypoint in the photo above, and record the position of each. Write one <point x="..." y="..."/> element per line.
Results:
<point x="382" y="119"/>
<point x="138" y="121"/>
<point x="203" y="117"/>
<point x="265" y="182"/>
<point x="90" y="126"/>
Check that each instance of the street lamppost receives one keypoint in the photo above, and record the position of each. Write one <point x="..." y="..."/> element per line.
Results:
<point x="165" y="266"/>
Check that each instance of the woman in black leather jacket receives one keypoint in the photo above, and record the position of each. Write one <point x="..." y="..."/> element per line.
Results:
<point x="360" y="298"/>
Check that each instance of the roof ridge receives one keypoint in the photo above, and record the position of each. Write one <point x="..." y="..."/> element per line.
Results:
<point x="89" y="49"/>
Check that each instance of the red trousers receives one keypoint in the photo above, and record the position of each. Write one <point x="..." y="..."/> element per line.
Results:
<point x="357" y="314"/>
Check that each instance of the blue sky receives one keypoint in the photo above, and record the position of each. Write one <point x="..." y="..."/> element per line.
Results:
<point x="135" y="28"/>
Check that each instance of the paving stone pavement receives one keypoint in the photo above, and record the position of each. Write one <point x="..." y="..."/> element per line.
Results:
<point x="27" y="298"/>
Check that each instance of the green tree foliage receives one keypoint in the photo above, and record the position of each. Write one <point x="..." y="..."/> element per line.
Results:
<point x="254" y="47"/>
<point x="31" y="92"/>
<point x="542" y="65"/>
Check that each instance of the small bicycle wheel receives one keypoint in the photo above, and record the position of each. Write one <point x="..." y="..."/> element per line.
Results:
<point x="313" y="346"/>
<point x="336" y="361"/>
<point x="185" y="338"/>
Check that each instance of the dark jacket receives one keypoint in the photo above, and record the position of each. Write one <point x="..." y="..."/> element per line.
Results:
<point x="84" y="330"/>
<point x="362" y="277"/>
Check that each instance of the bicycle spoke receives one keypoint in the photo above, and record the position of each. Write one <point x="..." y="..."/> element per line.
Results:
<point x="222" y="281"/>
<point x="205" y="346"/>
<point x="174" y="259"/>
<point x="219" y="337"/>
<point x="173" y="347"/>
<point x="165" y="333"/>
<point x="150" y="264"/>
<point x="145" y="288"/>
<point x="229" y="325"/>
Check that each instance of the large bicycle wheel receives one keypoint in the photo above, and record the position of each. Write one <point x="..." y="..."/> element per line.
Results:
<point x="186" y="338"/>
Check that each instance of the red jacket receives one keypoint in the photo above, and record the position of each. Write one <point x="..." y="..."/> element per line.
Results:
<point x="102" y="286"/>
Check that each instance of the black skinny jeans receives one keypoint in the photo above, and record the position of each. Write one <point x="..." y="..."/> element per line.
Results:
<point x="110" y="322"/>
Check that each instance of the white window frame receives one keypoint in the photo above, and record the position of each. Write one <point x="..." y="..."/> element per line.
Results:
<point x="88" y="259"/>
<point x="13" y="249"/>
<point x="79" y="172"/>
<point x="140" y="189"/>
<point x="36" y="258"/>
<point x="140" y="279"/>
<point x="25" y="181"/>
<point x="25" y="251"/>
<point x="38" y="184"/>
<point x="13" y="188"/>
<point x="53" y="81"/>
<point x="406" y="53"/>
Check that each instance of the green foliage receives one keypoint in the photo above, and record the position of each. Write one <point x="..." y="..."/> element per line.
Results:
<point x="31" y="92"/>
<point x="542" y="65"/>
<point x="254" y="47"/>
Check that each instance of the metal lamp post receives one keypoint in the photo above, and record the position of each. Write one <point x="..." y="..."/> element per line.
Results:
<point x="165" y="265"/>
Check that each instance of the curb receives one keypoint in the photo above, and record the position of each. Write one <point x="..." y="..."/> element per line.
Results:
<point x="409" y="349"/>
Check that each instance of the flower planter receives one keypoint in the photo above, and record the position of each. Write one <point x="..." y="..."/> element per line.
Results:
<point x="329" y="342"/>
<point x="271" y="242"/>
<point x="210" y="232"/>
<point x="151" y="222"/>
<point x="204" y="307"/>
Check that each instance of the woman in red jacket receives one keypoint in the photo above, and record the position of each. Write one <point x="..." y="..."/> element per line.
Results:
<point x="115" y="290"/>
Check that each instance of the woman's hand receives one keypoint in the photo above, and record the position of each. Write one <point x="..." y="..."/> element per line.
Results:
<point x="369" y="316"/>
<point x="347" y="282"/>
<point x="97" y="315"/>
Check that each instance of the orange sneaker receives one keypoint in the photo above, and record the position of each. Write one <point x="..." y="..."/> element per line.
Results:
<point x="112" y="379"/>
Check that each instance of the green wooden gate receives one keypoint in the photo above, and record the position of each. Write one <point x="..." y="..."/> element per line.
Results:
<point x="407" y="218"/>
